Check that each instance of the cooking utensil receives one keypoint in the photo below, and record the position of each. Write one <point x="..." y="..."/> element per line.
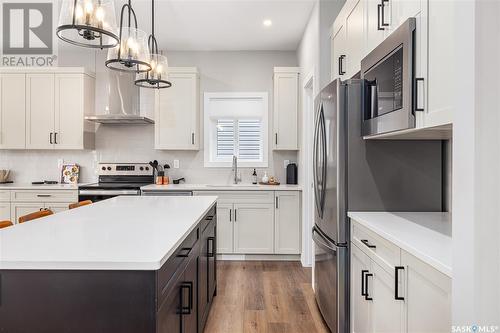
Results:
<point x="4" y="175"/>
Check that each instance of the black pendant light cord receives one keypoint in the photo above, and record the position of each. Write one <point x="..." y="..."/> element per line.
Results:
<point x="152" y="43"/>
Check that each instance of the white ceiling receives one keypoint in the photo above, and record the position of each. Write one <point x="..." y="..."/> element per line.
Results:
<point x="224" y="25"/>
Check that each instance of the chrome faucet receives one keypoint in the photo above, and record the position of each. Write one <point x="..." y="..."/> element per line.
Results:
<point x="235" y="169"/>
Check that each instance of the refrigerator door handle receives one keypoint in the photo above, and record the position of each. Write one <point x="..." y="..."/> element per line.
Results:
<point x="320" y="241"/>
<point x="315" y="162"/>
<point x="324" y="160"/>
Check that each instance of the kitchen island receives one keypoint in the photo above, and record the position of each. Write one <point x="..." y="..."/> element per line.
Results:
<point x="127" y="264"/>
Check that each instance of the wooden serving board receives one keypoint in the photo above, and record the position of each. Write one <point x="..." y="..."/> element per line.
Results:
<point x="275" y="183"/>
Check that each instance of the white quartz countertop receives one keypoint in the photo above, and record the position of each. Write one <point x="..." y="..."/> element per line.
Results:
<point x="122" y="233"/>
<point x="217" y="187"/>
<point x="29" y="186"/>
<point x="426" y="236"/>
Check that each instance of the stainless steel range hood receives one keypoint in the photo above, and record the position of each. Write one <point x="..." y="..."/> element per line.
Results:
<point x="122" y="100"/>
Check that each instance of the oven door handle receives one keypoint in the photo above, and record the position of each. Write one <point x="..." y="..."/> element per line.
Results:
<point x="109" y="192"/>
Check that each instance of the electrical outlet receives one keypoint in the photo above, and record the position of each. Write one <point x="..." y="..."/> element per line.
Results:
<point x="176" y="164"/>
<point x="285" y="163"/>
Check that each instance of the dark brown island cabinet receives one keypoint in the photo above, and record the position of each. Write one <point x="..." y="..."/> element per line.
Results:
<point x="174" y="299"/>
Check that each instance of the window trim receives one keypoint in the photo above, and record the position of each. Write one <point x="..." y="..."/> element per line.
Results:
<point x="208" y="131"/>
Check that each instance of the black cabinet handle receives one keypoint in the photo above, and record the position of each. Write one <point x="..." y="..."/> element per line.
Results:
<point x="415" y="93"/>
<point x="371" y="246"/>
<point x="341" y="64"/>
<point x="277" y="203"/>
<point x="211" y="247"/>
<point x="186" y="310"/>
<point x="55" y="138"/>
<point x="187" y="252"/>
<point x="50" y="138"/>
<point x="396" y="284"/>
<point x="230" y="215"/>
<point x="192" y="138"/>
<point x="363" y="272"/>
<point x="235" y="215"/>
<point x="367" y="294"/>
<point x="379" y="10"/>
<point x="276" y="138"/>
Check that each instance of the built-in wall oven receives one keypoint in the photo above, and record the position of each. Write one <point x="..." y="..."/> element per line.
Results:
<point x="390" y="84"/>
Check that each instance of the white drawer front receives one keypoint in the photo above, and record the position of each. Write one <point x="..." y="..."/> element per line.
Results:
<point x="45" y="196"/>
<point x="5" y="196"/>
<point x="240" y="196"/>
<point x="377" y="248"/>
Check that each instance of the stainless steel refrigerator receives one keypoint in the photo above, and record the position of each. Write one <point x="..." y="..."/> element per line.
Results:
<point x="359" y="175"/>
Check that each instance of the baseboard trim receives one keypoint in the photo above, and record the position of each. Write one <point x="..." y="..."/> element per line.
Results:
<point x="259" y="257"/>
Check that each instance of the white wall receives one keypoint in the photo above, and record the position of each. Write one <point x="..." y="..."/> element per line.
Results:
<point x="314" y="60"/>
<point x="476" y="165"/>
<point x="219" y="71"/>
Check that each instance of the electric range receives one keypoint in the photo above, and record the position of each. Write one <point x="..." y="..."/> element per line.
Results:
<point x="116" y="179"/>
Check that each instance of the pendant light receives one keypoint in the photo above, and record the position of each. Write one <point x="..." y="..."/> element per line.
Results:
<point x="88" y="23"/>
<point x="131" y="54"/>
<point x="157" y="77"/>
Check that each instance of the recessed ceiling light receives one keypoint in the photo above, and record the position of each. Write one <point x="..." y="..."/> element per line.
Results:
<point x="267" y="23"/>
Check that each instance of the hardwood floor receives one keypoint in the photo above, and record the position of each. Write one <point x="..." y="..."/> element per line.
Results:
<point x="264" y="297"/>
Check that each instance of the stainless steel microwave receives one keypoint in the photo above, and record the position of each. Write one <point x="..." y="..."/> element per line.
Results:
<point x="389" y="83"/>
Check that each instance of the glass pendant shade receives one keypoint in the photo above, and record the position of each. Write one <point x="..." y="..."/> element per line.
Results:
<point x="157" y="77"/>
<point x="88" y="23"/>
<point x="131" y="54"/>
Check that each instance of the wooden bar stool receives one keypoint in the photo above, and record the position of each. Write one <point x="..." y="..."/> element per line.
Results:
<point x="35" y="215"/>
<point x="80" y="204"/>
<point x="5" y="224"/>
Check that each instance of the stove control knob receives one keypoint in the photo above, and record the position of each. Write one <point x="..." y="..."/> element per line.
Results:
<point x="147" y="168"/>
<point x="103" y="168"/>
<point x="141" y="168"/>
<point x="109" y="168"/>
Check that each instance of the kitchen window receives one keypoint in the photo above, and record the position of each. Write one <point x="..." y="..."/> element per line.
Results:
<point x="235" y="124"/>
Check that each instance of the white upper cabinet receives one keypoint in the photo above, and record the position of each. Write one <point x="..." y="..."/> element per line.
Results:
<point x="375" y="20"/>
<point x="12" y="111"/>
<point x="177" y="111"/>
<point x="441" y="23"/>
<point x="74" y="100"/>
<point x="338" y="50"/>
<point x="376" y="25"/>
<point x="44" y="108"/>
<point x="40" y="111"/>
<point x="348" y="37"/>
<point x="286" y="106"/>
<point x="355" y="36"/>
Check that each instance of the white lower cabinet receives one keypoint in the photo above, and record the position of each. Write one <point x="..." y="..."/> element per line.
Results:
<point x="4" y="211"/>
<point x="360" y="307"/>
<point x="428" y="297"/>
<point x="19" y="209"/>
<point x="388" y="313"/>
<point x="224" y="228"/>
<point x="287" y="222"/>
<point x="417" y="300"/>
<point x="252" y="222"/>
<point x="23" y="202"/>
<point x="253" y="228"/>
